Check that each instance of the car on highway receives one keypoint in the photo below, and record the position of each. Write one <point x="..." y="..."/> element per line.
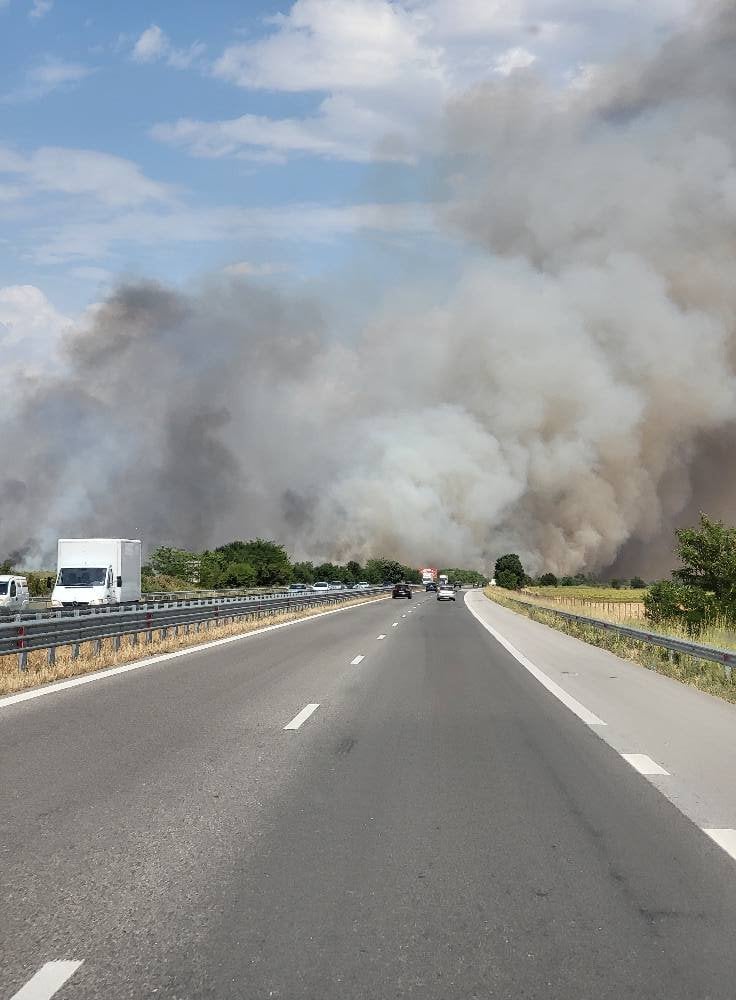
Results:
<point x="298" y="588"/>
<point x="321" y="587"/>
<point x="446" y="593"/>
<point x="431" y="587"/>
<point x="401" y="590"/>
<point x="13" y="592"/>
<point x="337" y="585"/>
<point x="363" y="585"/>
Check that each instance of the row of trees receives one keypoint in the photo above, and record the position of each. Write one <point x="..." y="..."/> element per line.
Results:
<point x="262" y="563"/>
<point x="510" y="573"/>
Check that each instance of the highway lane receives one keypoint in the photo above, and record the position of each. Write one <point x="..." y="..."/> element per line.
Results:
<point x="439" y="826"/>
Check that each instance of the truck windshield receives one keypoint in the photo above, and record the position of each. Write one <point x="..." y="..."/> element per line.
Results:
<point x="3" y="588"/>
<point x="86" y="576"/>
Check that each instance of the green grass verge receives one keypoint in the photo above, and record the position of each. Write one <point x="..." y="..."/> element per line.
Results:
<point x="702" y="674"/>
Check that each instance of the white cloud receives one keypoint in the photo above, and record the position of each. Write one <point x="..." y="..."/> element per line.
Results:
<point x="511" y="59"/>
<point x="47" y="76"/>
<point x="108" y="180"/>
<point x="26" y="314"/>
<point x="343" y="130"/>
<point x="96" y="239"/>
<point x="332" y="44"/>
<point x="154" y="45"/>
<point x="151" y="45"/>
<point x="40" y="8"/>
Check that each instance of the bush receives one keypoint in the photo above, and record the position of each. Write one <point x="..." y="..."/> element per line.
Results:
<point x="636" y="583"/>
<point x="667" y="603"/>
<point x="548" y="580"/>
<point x="616" y="584"/>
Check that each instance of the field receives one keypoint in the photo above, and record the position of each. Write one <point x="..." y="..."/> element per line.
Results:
<point x="595" y="594"/>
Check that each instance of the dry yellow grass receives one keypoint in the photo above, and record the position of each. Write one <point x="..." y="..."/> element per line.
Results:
<point x="38" y="673"/>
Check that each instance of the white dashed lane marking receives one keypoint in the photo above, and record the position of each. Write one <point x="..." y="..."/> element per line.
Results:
<point x="725" y="839"/>
<point x="47" y="981"/>
<point x="380" y="637"/>
<point x="643" y="764"/>
<point x="357" y="660"/>
<point x="302" y="716"/>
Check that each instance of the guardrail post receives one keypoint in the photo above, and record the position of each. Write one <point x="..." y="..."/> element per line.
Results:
<point x="75" y="650"/>
<point x="97" y="647"/>
<point x="149" y="628"/>
<point x="22" y="651"/>
<point x="116" y="644"/>
<point x="51" y="656"/>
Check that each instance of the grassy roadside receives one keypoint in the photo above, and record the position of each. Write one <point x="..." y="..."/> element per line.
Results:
<point x="595" y="595"/>
<point x="38" y="673"/>
<point x="701" y="674"/>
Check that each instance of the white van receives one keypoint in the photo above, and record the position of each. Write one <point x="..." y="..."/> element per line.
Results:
<point x="13" y="592"/>
<point x="93" y="571"/>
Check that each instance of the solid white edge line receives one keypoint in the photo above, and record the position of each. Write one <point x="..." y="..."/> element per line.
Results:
<point x="302" y="716"/>
<point x="583" y="713"/>
<point x="49" y="978"/>
<point x="357" y="660"/>
<point x="644" y="764"/>
<point x="726" y="839"/>
<point x="97" y="675"/>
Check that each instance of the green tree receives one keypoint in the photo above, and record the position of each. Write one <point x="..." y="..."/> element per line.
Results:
<point x="510" y="567"/>
<point x="236" y="575"/>
<point x="636" y="583"/>
<point x="269" y="559"/>
<point x="303" y="572"/>
<point x="708" y="554"/>
<point x="616" y="584"/>
<point x="354" y="571"/>
<point x="168" y="561"/>
<point x="548" y="580"/>
<point x="6" y="566"/>
<point x="505" y="578"/>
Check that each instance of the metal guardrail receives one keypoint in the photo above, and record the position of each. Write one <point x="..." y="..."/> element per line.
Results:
<point x="727" y="658"/>
<point x="96" y="624"/>
<point x="164" y="597"/>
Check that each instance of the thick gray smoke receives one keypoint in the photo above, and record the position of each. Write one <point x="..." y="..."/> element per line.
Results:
<point x="557" y="403"/>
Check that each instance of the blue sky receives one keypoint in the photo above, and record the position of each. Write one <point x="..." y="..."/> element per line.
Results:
<point x="282" y="140"/>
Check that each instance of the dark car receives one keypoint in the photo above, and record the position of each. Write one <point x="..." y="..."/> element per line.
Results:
<point x="401" y="590"/>
<point x="431" y="587"/>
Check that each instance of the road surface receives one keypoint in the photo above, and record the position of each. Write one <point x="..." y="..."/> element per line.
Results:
<point x="441" y="825"/>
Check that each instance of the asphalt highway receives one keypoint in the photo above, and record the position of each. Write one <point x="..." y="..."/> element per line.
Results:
<point x="434" y="823"/>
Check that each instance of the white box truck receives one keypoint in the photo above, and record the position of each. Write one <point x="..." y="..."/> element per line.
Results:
<point x="93" y="571"/>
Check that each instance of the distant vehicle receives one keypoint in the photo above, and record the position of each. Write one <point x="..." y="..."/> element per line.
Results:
<point x="93" y="571"/>
<point x="13" y="592"/>
<point x="321" y="587"/>
<point x="443" y="580"/>
<point x="401" y="590"/>
<point x="446" y="593"/>
<point x="298" y="588"/>
<point x="337" y="585"/>
<point x="363" y="585"/>
<point x="431" y="587"/>
<point x="429" y="575"/>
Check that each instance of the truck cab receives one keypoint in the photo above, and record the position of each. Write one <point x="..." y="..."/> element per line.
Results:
<point x="82" y="586"/>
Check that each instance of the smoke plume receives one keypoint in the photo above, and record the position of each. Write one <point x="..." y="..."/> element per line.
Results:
<point x="567" y="400"/>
